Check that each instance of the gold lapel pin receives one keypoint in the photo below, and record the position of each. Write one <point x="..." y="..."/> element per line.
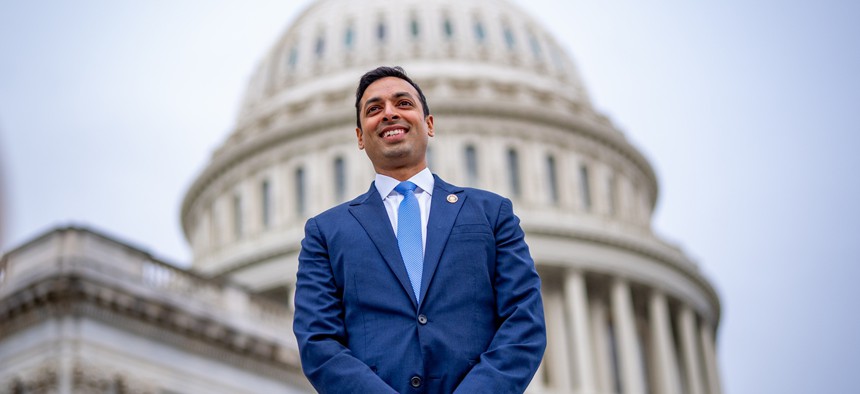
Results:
<point x="452" y="198"/>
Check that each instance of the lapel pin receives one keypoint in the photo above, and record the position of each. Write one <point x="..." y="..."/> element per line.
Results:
<point x="452" y="198"/>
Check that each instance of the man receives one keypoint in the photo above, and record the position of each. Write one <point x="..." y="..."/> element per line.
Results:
<point x="416" y="286"/>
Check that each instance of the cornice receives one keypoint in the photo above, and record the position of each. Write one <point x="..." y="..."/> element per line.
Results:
<point x="82" y="296"/>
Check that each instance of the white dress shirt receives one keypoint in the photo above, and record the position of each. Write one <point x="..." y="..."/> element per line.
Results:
<point x="391" y="199"/>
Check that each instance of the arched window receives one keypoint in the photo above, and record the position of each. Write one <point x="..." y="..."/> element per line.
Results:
<point x="293" y="57"/>
<point x="266" y="203"/>
<point x="348" y="37"/>
<point x="535" y="44"/>
<point x="320" y="46"/>
<point x="552" y="179"/>
<point x="414" y="27"/>
<point x="448" y="28"/>
<point x="509" y="38"/>
<point x="514" y="172"/>
<point x="380" y="31"/>
<point x="584" y="187"/>
<point x="611" y="194"/>
<point x="300" y="191"/>
<point x="471" y="158"/>
<point x="237" y="216"/>
<point x="555" y="53"/>
<point x="479" y="32"/>
<point x="214" y="225"/>
<point x="339" y="179"/>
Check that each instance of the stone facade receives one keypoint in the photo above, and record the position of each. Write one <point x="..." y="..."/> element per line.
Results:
<point x="83" y="313"/>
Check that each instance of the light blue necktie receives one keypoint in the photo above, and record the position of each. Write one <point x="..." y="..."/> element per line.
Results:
<point x="409" y="235"/>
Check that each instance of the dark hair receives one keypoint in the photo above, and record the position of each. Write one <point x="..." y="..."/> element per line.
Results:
<point x="377" y="74"/>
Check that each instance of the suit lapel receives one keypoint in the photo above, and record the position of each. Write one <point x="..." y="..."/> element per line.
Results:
<point x="370" y="213"/>
<point x="443" y="212"/>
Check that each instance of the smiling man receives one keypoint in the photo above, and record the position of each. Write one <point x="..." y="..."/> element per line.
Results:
<point x="416" y="286"/>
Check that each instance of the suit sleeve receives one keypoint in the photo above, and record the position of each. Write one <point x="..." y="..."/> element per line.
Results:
<point x="319" y="325"/>
<point x="513" y="356"/>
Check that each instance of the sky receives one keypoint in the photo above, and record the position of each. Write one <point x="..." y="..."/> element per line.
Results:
<point x="109" y="109"/>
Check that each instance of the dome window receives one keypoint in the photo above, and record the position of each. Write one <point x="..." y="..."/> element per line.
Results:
<point x="509" y="38"/>
<point x="237" y="216"/>
<point x="266" y="203"/>
<point x="293" y="57"/>
<point x="479" y="32"/>
<point x="448" y="28"/>
<point x="555" y="53"/>
<point x="348" y="37"/>
<point x="552" y="179"/>
<point x="611" y="194"/>
<point x="535" y="44"/>
<point x="301" y="202"/>
<point x="320" y="46"/>
<point x="514" y="173"/>
<point x="414" y="28"/>
<point x="584" y="187"/>
<point x="339" y="179"/>
<point x="380" y="31"/>
<point x="471" y="158"/>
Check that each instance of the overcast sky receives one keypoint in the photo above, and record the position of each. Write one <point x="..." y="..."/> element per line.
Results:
<point x="747" y="111"/>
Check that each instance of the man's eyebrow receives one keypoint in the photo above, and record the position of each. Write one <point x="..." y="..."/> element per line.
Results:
<point x="372" y="100"/>
<point x="377" y="99"/>
<point x="402" y="94"/>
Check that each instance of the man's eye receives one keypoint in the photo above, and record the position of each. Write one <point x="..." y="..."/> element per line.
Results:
<point x="405" y="103"/>
<point x="372" y="109"/>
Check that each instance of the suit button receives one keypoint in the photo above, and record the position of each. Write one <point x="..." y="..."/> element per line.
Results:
<point x="415" y="381"/>
<point x="422" y="319"/>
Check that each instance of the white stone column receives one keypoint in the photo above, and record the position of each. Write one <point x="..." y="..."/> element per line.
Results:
<point x="666" y="374"/>
<point x="710" y="357"/>
<point x="690" y="350"/>
<point x="576" y="298"/>
<point x="557" y="353"/>
<point x="602" y="362"/>
<point x="629" y="362"/>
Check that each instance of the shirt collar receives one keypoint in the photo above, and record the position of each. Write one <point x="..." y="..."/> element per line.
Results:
<point x="424" y="180"/>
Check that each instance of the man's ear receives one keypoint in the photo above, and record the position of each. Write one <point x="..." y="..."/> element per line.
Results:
<point x="360" y="137"/>
<point x="429" y="121"/>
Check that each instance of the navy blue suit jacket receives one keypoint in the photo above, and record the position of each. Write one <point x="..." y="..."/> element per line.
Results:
<point x="478" y="329"/>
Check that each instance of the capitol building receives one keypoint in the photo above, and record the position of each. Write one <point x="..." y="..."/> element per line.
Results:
<point x="626" y="311"/>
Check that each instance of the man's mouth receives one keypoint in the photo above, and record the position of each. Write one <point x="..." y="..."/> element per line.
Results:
<point x="389" y="133"/>
<point x="393" y="131"/>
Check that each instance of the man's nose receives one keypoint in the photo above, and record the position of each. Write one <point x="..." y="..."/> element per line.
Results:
<point x="390" y="113"/>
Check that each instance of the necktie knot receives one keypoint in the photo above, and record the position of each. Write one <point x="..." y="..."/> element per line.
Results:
<point x="405" y="187"/>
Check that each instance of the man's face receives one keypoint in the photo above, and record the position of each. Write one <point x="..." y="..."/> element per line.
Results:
<point x="394" y="131"/>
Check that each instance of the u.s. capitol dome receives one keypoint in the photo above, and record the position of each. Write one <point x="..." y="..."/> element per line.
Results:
<point x="626" y="311"/>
